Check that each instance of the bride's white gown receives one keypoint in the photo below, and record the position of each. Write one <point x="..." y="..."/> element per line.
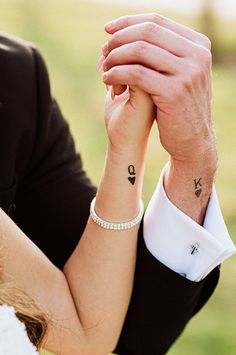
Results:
<point x="13" y="336"/>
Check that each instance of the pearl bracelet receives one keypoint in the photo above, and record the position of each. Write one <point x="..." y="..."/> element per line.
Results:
<point x="115" y="226"/>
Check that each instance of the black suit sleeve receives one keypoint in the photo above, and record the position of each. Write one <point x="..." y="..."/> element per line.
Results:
<point x="53" y="207"/>
<point x="162" y="303"/>
<point x="54" y="196"/>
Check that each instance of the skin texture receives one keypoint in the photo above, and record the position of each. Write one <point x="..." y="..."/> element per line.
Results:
<point x="172" y="63"/>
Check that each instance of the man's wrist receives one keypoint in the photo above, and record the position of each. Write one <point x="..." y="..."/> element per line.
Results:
<point x="204" y="157"/>
<point x="189" y="184"/>
<point x="189" y="168"/>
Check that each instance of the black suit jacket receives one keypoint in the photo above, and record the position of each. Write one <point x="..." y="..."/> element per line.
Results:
<point x="45" y="190"/>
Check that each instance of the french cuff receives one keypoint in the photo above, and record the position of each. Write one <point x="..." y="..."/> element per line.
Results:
<point x="179" y="242"/>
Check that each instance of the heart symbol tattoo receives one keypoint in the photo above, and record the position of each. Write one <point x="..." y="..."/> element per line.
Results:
<point x="198" y="192"/>
<point x="132" y="179"/>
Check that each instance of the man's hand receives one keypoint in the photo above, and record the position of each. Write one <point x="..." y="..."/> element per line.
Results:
<point x="173" y="64"/>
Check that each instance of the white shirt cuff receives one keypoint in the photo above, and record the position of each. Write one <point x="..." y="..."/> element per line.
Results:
<point x="179" y="242"/>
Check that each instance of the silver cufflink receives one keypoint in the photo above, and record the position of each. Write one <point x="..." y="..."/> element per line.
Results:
<point x="194" y="248"/>
<point x="183" y="274"/>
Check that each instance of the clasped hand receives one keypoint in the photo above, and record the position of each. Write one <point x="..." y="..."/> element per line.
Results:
<point x="167" y="69"/>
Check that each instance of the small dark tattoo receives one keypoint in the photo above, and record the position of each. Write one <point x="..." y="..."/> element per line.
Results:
<point x="197" y="183"/>
<point x="132" y="172"/>
<point x="132" y="179"/>
<point x="198" y="192"/>
<point x="198" y="187"/>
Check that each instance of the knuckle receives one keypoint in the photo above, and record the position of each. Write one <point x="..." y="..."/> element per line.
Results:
<point x="175" y="92"/>
<point x="186" y="82"/>
<point x="206" y="57"/>
<point x="122" y="21"/>
<point x="149" y="28"/>
<point x="194" y="78"/>
<point x="125" y="21"/>
<point x="113" y="73"/>
<point x="112" y="42"/>
<point x="157" y="18"/>
<point x="138" y="73"/>
<point x="194" y="72"/>
<point x="140" y="49"/>
<point x="206" y="41"/>
<point x="111" y="58"/>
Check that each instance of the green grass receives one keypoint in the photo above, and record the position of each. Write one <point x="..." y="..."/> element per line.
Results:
<point x="69" y="34"/>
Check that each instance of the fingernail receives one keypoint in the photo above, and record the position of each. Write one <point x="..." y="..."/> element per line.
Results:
<point x="104" y="77"/>
<point x="113" y="94"/>
<point x="100" y="62"/>
<point x="110" y="24"/>
<point x="105" y="49"/>
<point x="104" y="67"/>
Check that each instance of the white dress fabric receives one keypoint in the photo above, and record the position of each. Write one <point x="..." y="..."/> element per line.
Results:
<point x="13" y="336"/>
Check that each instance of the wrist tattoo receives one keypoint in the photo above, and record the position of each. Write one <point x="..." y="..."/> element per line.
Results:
<point x="132" y="173"/>
<point x="198" y="187"/>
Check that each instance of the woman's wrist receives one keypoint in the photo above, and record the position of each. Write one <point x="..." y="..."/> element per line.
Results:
<point x="120" y="190"/>
<point x="130" y="150"/>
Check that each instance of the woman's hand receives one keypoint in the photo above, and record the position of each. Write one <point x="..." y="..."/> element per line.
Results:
<point x="129" y="115"/>
<point x="129" y="118"/>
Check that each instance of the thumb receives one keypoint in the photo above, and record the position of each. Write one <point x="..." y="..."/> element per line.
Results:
<point x="141" y="100"/>
<point x="138" y="95"/>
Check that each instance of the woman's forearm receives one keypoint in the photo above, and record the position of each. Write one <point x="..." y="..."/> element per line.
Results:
<point x="26" y="269"/>
<point x="101" y="269"/>
<point x="85" y="309"/>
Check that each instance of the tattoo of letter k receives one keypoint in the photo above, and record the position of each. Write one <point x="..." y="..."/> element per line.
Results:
<point x="197" y="183"/>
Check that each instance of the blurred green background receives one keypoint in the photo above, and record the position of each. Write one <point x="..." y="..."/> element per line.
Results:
<point x="70" y="34"/>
